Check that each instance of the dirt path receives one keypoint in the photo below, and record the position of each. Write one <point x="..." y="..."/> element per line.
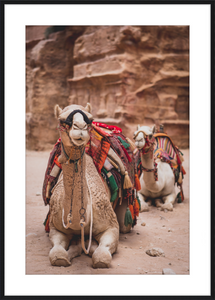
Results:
<point x="166" y="230"/>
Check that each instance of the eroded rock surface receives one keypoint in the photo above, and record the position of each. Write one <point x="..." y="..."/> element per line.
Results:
<point x="130" y="74"/>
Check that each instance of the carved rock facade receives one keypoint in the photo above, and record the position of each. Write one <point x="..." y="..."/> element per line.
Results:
<point x="130" y="74"/>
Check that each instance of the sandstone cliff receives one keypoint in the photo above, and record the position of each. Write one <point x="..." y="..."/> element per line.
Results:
<point x="130" y="74"/>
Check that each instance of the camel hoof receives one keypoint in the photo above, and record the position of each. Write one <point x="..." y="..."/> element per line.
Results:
<point x="101" y="258"/>
<point x="167" y="206"/>
<point x="58" y="256"/>
<point x="61" y="262"/>
<point x="149" y="202"/>
<point x="158" y="203"/>
<point x="144" y="207"/>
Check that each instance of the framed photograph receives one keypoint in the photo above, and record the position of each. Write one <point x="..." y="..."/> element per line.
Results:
<point x="135" y="73"/>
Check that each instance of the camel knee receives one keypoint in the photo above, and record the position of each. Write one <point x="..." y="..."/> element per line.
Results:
<point x="143" y="205"/>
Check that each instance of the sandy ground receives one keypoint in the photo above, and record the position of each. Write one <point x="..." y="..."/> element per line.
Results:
<point x="166" y="230"/>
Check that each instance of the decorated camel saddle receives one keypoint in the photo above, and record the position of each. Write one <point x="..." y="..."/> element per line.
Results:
<point x="90" y="185"/>
<point x="113" y="157"/>
<point x="159" y="167"/>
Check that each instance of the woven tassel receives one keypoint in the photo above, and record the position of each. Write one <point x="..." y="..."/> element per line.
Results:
<point x="132" y="146"/>
<point x="181" y="157"/>
<point x="127" y="181"/>
<point x="179" y="197"/>
<point x="137" y="183"/>
<point x="128" y="217"/>
<point x="180" y="178"/>
<point x="138" y="199"/>
<point x="131" y="210"/>
<point x="136" y="208"/>
<point x="114" y="196"/>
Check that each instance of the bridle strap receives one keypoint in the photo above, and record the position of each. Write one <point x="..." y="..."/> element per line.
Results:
<point x="69" y="119"/>
<point x="139" y="132"/>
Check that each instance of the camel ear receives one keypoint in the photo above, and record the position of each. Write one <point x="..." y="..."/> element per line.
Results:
<point x="57" y="111"/>
<point x="138" y="127"/>
<point x="88" y="107"/>
<point x="153" y="129"/>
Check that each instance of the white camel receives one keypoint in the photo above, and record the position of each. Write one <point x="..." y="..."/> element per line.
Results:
<point x="162" y="190"/>
<point x="80" y="201"/>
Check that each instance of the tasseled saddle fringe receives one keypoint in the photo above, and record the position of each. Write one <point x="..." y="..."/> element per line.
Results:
<point x="137" y="183"/>
<point x="127" y="181"/>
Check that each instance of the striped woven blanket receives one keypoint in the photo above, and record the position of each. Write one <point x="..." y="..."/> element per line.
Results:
<point x="102" y="138"/>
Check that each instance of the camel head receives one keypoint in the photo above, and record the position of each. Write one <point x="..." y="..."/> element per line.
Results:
<point x="74" y="123"/>
<point x="143" y="137"/>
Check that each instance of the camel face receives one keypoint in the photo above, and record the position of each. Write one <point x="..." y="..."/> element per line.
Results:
<point x="140" y="141"/>
<point x="142" y="135"/>
<point x="78" y="133"/>
<point x="74" y="122"/>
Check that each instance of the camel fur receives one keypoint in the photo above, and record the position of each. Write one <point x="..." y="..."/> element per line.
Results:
<point x="162" y="191"/>
<point x="79" y="188"/>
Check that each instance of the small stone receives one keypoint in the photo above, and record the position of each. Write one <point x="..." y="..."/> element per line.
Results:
<point x="169" y="230"/>
<point x="143" y="224"/>
<point x="170" y="264"/>
<point x="125" y="247"/>
<point x="125" y="237"/>
<point x="31" y="233"/>
<point x="155" y="252"/>
<point x="163" y="226"/>
<point x="38" y="194"/>
<point x="118" y="264"/>
<point x="140" y="247"/>
<point x="165" y="210"/>
<point x="167" y="271"/>
<point x="138" y="233"/>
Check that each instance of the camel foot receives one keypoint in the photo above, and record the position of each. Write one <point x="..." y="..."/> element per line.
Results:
<point x="167" y="206"/>
<point x="149" y="202"/>
<point x="101" y="258"/>
<point x="144" y="206"/>
<point x="158" y="203"/>
<point x="58" y="256"/>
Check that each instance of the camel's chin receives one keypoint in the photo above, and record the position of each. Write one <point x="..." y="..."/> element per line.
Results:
<point x="79" y="142"/>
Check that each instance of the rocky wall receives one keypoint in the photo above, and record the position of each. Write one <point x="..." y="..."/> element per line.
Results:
<point x="130" y="74"/>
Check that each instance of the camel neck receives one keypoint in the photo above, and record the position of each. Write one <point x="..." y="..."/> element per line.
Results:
<point x="75" y="187"/>
<point x="73" y="153"/>
<point x="150" y="173"/>
<point x="147" y="160"/>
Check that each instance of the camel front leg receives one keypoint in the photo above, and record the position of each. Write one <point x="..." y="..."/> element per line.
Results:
<point x="58" y="255"/>
<point x="108" y="243"/>
<point x="168" y="202"/>
<point x="143" y="204"/>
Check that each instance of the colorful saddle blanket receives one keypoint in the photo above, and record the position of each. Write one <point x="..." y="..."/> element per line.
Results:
<point x="166" y="151"/>
<point x="102" y="138"/>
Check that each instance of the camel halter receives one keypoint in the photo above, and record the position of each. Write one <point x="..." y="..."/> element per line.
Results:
<point x="82" y="210"/>
<point x="144" y="150"/>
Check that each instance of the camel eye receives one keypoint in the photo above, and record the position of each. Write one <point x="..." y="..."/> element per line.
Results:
<point x="150" y="136"/>
<point x="75" y="127"/>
